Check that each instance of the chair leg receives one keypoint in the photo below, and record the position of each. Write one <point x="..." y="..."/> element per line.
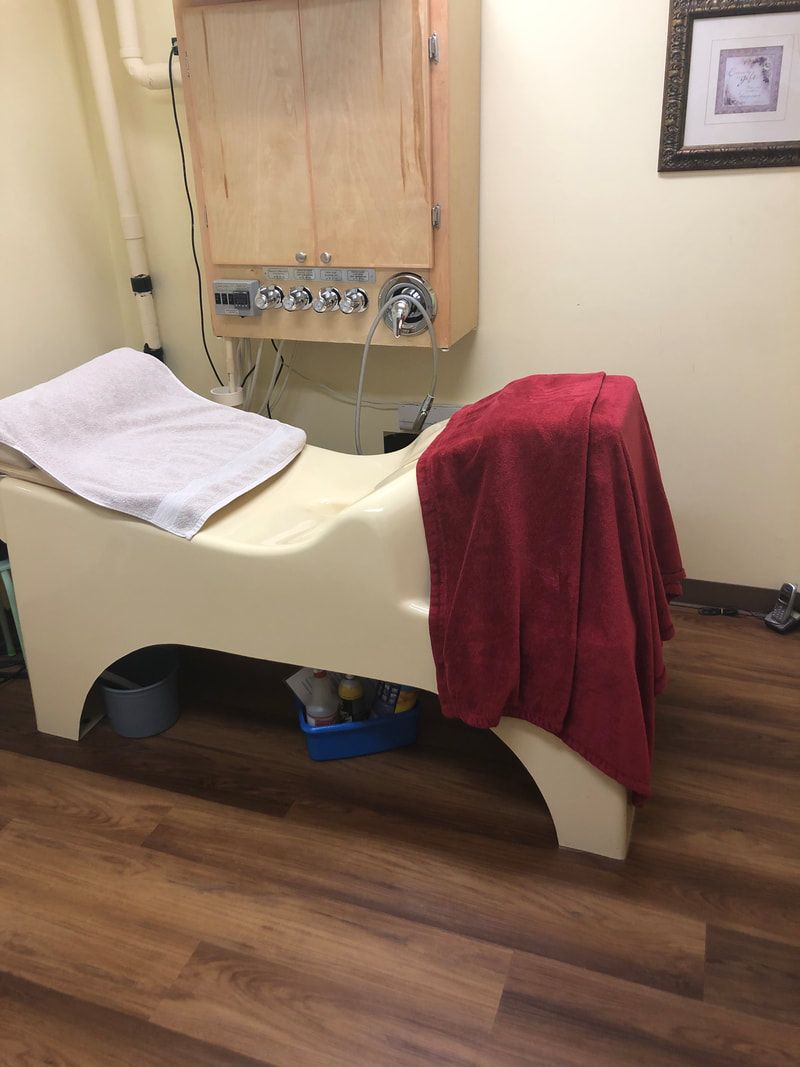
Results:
<point x="61" y="666"/>
<point x="59" y="686"/>
<point x="591" y="812"/>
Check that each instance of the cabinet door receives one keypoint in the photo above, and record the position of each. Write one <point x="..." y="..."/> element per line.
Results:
<point x="367" y="83"/>
<point x="249" y="122"/>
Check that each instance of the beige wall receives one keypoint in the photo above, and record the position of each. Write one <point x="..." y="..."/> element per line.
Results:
<point x="590" y="260"/>
<point x="60" y="294"/>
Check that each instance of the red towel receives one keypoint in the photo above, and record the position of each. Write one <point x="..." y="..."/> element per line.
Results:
<point x="553" y="557"/>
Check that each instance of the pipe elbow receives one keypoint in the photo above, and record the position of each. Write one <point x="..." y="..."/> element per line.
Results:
<point x="150" y="75"/>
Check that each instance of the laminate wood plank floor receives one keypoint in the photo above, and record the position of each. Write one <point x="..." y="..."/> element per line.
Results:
<point x="213" y="897"/>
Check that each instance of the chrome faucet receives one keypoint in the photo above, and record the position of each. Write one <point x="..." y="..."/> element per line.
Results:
<point x="402" y="300"/>
<point x="268" y="297"/>
<point x="402" y="308"/>
<point x="354" y="302"/>
<point x="400" y="311"/>
<point x="297" y="300"/>
<point x="328" y="300"/>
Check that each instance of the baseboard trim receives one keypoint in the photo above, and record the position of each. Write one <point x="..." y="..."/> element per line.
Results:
<point x="723" y="595"/>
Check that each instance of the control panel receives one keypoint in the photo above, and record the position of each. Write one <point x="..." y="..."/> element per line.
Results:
<point x="403" y="297"/>
<point x="248" y="297"/>
<point x="236" y="297"/>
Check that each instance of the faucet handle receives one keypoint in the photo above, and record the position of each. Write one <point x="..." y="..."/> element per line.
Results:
<point x="354" y="302"/>
<point x="399" y="311"/>
<point x="405" y="304"/>
<point x="297" y="300"/>
<point x="269" y="296"/>
<point x="328" y="300"/>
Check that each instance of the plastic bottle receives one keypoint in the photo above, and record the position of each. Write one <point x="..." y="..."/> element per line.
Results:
<point x="406" y="700"/>
<point x="385" y="702"/>
<point x="321" y="709"/>
<point x="352" y="707"/>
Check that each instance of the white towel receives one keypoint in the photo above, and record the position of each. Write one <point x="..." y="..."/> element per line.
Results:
<point x="123" y="432"/>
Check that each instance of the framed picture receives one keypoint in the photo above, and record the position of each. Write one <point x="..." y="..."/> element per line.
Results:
<point x="732" y="87"/>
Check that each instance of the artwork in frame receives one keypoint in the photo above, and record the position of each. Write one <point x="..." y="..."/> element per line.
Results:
<point x="732" y="86"/>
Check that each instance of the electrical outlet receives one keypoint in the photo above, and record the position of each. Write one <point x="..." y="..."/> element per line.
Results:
<point x="438" y="413"/>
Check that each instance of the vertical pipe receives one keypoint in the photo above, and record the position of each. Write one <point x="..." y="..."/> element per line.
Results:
<point x="230" y="364"/>
<point x="232" y="394"/>
<point x="130" y="219"/>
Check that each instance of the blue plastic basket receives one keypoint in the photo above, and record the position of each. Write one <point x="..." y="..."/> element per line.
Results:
<point x="348" y="739"/>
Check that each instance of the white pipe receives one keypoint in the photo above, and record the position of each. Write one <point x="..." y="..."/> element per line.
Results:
<point x="251" y="385"/>
<point x="232" y="394"/>
<point x="130" y="220"/>
<point x="230" y="364"/>
<point x="150" y="75"/>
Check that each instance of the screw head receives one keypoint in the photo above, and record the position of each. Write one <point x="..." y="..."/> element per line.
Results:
<point x="326" y="258"/>
<point x="301" y="257"/>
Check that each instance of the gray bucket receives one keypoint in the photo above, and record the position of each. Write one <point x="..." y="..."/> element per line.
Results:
<point x="152" y="706"/>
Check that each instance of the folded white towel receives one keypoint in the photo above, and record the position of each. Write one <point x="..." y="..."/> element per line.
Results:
<point x="123" y="432"/>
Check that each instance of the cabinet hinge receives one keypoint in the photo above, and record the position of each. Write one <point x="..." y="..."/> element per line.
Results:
<point x="436" y="216"/>
<point x="433" y="48"/>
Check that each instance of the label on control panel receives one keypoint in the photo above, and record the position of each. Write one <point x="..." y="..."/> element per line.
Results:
<point x="353" y="275"/>
<point x="360" y="276"/>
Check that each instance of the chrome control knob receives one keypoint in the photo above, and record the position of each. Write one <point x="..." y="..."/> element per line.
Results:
<point x="269" y="297"/>
<point x="354" y="302"/>
<point x="297" y="300"/>
<point x="328" y="300"/>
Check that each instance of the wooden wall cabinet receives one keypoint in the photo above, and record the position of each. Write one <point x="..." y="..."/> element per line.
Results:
<point x="331" y="130"/>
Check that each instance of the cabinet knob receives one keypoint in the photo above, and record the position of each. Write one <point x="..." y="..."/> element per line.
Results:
<point x="326" y="258"/>
<point x="301" y="257"/>
<point x="297" y="300"/>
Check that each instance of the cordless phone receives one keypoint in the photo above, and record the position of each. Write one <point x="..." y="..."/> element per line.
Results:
<point x="785" y="616"/>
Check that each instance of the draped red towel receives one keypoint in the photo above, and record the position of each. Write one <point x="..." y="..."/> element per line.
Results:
<point x="553" y="559"/>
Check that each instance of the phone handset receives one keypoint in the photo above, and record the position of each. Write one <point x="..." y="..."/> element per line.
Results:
<point x="785" y="616"/>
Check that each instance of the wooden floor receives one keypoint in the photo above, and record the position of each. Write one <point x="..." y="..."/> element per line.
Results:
<point x="211" y="897"/>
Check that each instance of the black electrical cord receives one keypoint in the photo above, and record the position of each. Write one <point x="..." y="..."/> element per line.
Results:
<point x="173" y="52"/>
<point x="731" y="613"/>
<point x="714" y="612"/>
<point x="277" y="377"/>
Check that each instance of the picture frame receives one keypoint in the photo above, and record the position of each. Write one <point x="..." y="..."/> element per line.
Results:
<point x="732" y="85"/>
